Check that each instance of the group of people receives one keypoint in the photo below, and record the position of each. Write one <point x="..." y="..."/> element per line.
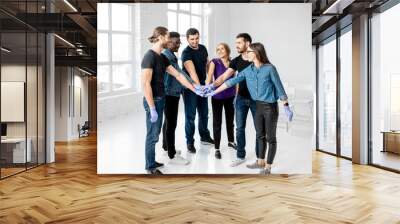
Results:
<point x="258" y="91"/>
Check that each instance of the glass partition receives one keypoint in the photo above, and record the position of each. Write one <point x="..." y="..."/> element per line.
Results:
<point x="327" y="96"/>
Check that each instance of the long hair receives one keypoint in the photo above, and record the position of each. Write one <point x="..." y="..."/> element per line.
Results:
<point x="157" y="32"/>
<point x="227" y="49"/>
<point x="259" y="50"/>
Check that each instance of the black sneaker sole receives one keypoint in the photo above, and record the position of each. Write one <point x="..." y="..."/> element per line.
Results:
<point x="159" y="165"/>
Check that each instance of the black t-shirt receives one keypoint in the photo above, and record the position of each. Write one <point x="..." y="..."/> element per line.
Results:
<point x="238" y="64"/>
<point x="199" y="59"/>
<point x="159" y="63"/>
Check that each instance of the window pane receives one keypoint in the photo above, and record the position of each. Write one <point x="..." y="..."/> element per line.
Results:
<point x="172" y="21"/>
<point x="120" y="17"/>
<point x="196" y="23"/>
<point x="172" y="6"/>
<point x="385" y="88"/>
<point x="346" y="93"/>
<point x="121" y="47"/>
<point x="196" y="8"/>
<point x="184" y="23"/>
<point x="184" y="6"/>
<point x="327" y="97"/>
<point x="103" y="78"/>
<point x="102" y="47"/>
<point x="122" y="76"/>
<point x="102" y="16"/>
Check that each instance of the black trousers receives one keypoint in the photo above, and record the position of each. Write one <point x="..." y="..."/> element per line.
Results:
<point x="169" y="126"/>
<point x="266" y="123"/>
<point x="217" y="106"/>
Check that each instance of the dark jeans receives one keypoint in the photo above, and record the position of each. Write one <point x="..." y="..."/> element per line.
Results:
<point x="217" y="106"/>
<point x="266" y="122"/>
<point x="242" y="107"/>
<point x="193" y="102"/>
<point x="153" y="131"/>
<point x="169" y="126"/>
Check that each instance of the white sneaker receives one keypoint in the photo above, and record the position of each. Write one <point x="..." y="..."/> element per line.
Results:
<point x="237" y="162"/>
<point x="179" y="160"/>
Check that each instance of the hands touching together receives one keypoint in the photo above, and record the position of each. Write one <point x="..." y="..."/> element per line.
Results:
<point x="204" y="90"/>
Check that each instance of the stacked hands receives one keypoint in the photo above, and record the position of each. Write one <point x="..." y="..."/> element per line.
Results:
<point x="209" y="90"/>
<point x="204" y="90"/>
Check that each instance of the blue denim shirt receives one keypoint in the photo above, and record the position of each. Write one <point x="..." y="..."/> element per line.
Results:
<point x="172" y="86"/>
<point x="263" y="83"/>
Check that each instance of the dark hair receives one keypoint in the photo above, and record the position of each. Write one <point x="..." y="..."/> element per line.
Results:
<point x="191" y="31"/>
<point x="246" y="37"/>
<point x="157" y="32"/>
<point x="174" y="34"/>
<point x="259" y="50"/>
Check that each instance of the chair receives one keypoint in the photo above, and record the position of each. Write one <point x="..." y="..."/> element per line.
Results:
<point x="84" y="130"/>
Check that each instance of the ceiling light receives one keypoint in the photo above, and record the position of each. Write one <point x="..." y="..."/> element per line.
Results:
<point x="64" y="40"/>
<point x="84" y="71"/>
<point x="5" y="50"/>
<point x="70" y="5"/>
<point x="338" y="6"/>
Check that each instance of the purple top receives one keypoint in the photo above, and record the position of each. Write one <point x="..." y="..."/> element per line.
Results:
<point x="218" y="71"/>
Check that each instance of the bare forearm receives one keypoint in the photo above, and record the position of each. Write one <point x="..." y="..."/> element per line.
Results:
<point x="221" y="88"/>
<point x="221" y="79"/>
<point x="181" y="78"/>
<point x="148" y="94"/>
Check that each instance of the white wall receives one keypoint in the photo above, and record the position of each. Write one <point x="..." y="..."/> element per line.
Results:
<point x="68" y="82"/>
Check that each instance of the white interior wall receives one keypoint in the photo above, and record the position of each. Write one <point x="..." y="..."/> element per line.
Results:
<point x="67" y="80"/>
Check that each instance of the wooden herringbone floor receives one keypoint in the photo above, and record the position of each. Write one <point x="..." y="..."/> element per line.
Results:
<point x="70" y="191"/>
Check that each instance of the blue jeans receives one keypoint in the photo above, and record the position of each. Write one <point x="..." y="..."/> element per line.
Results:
<point x="242" y="107"/>
<point x="153" y="131"/>
<point x="193" y="102"/>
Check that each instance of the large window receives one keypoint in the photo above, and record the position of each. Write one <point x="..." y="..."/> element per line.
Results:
<point x="327" y="96"/>
<point x="182" y="16"/>
<point x="117" y="36"/>
<point x="346" y="93"/>
<point x="385" y="89"/>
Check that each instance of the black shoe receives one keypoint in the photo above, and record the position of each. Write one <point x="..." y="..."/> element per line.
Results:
<point x="218" y="154"/>
<point x="191" y="148"/>
<point x="154" y="172"/>
<point x="232" y="145"/>
<point x="207" y="141"/>
<point x="158" y="165"/>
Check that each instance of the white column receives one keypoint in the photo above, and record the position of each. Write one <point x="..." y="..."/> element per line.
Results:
<point x="360" y="90"/>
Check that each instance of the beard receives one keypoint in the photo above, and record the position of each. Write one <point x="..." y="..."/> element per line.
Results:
<point x="240" y="50"/>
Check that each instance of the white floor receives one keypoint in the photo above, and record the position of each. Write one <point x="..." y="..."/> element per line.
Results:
<point x="121" y="148"/>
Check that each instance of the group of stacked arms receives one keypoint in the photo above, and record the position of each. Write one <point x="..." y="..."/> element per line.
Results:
<point x="248" y="82"/>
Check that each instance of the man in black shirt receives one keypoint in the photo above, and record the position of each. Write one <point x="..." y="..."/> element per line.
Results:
<point x="195" y="60"/>
<point x="243" y="102"/>
<point x="154" y="65"/>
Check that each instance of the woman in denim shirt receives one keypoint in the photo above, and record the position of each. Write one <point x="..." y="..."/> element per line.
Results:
<point x="266" y="89"/>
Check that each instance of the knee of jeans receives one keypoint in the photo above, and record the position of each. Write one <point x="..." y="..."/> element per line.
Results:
<point x="261" y="137"/>
<point x="240" y="129"/>
<point x="271" y="140"/>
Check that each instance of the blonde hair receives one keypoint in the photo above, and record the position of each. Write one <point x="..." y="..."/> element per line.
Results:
<point x="157" y="32"/>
